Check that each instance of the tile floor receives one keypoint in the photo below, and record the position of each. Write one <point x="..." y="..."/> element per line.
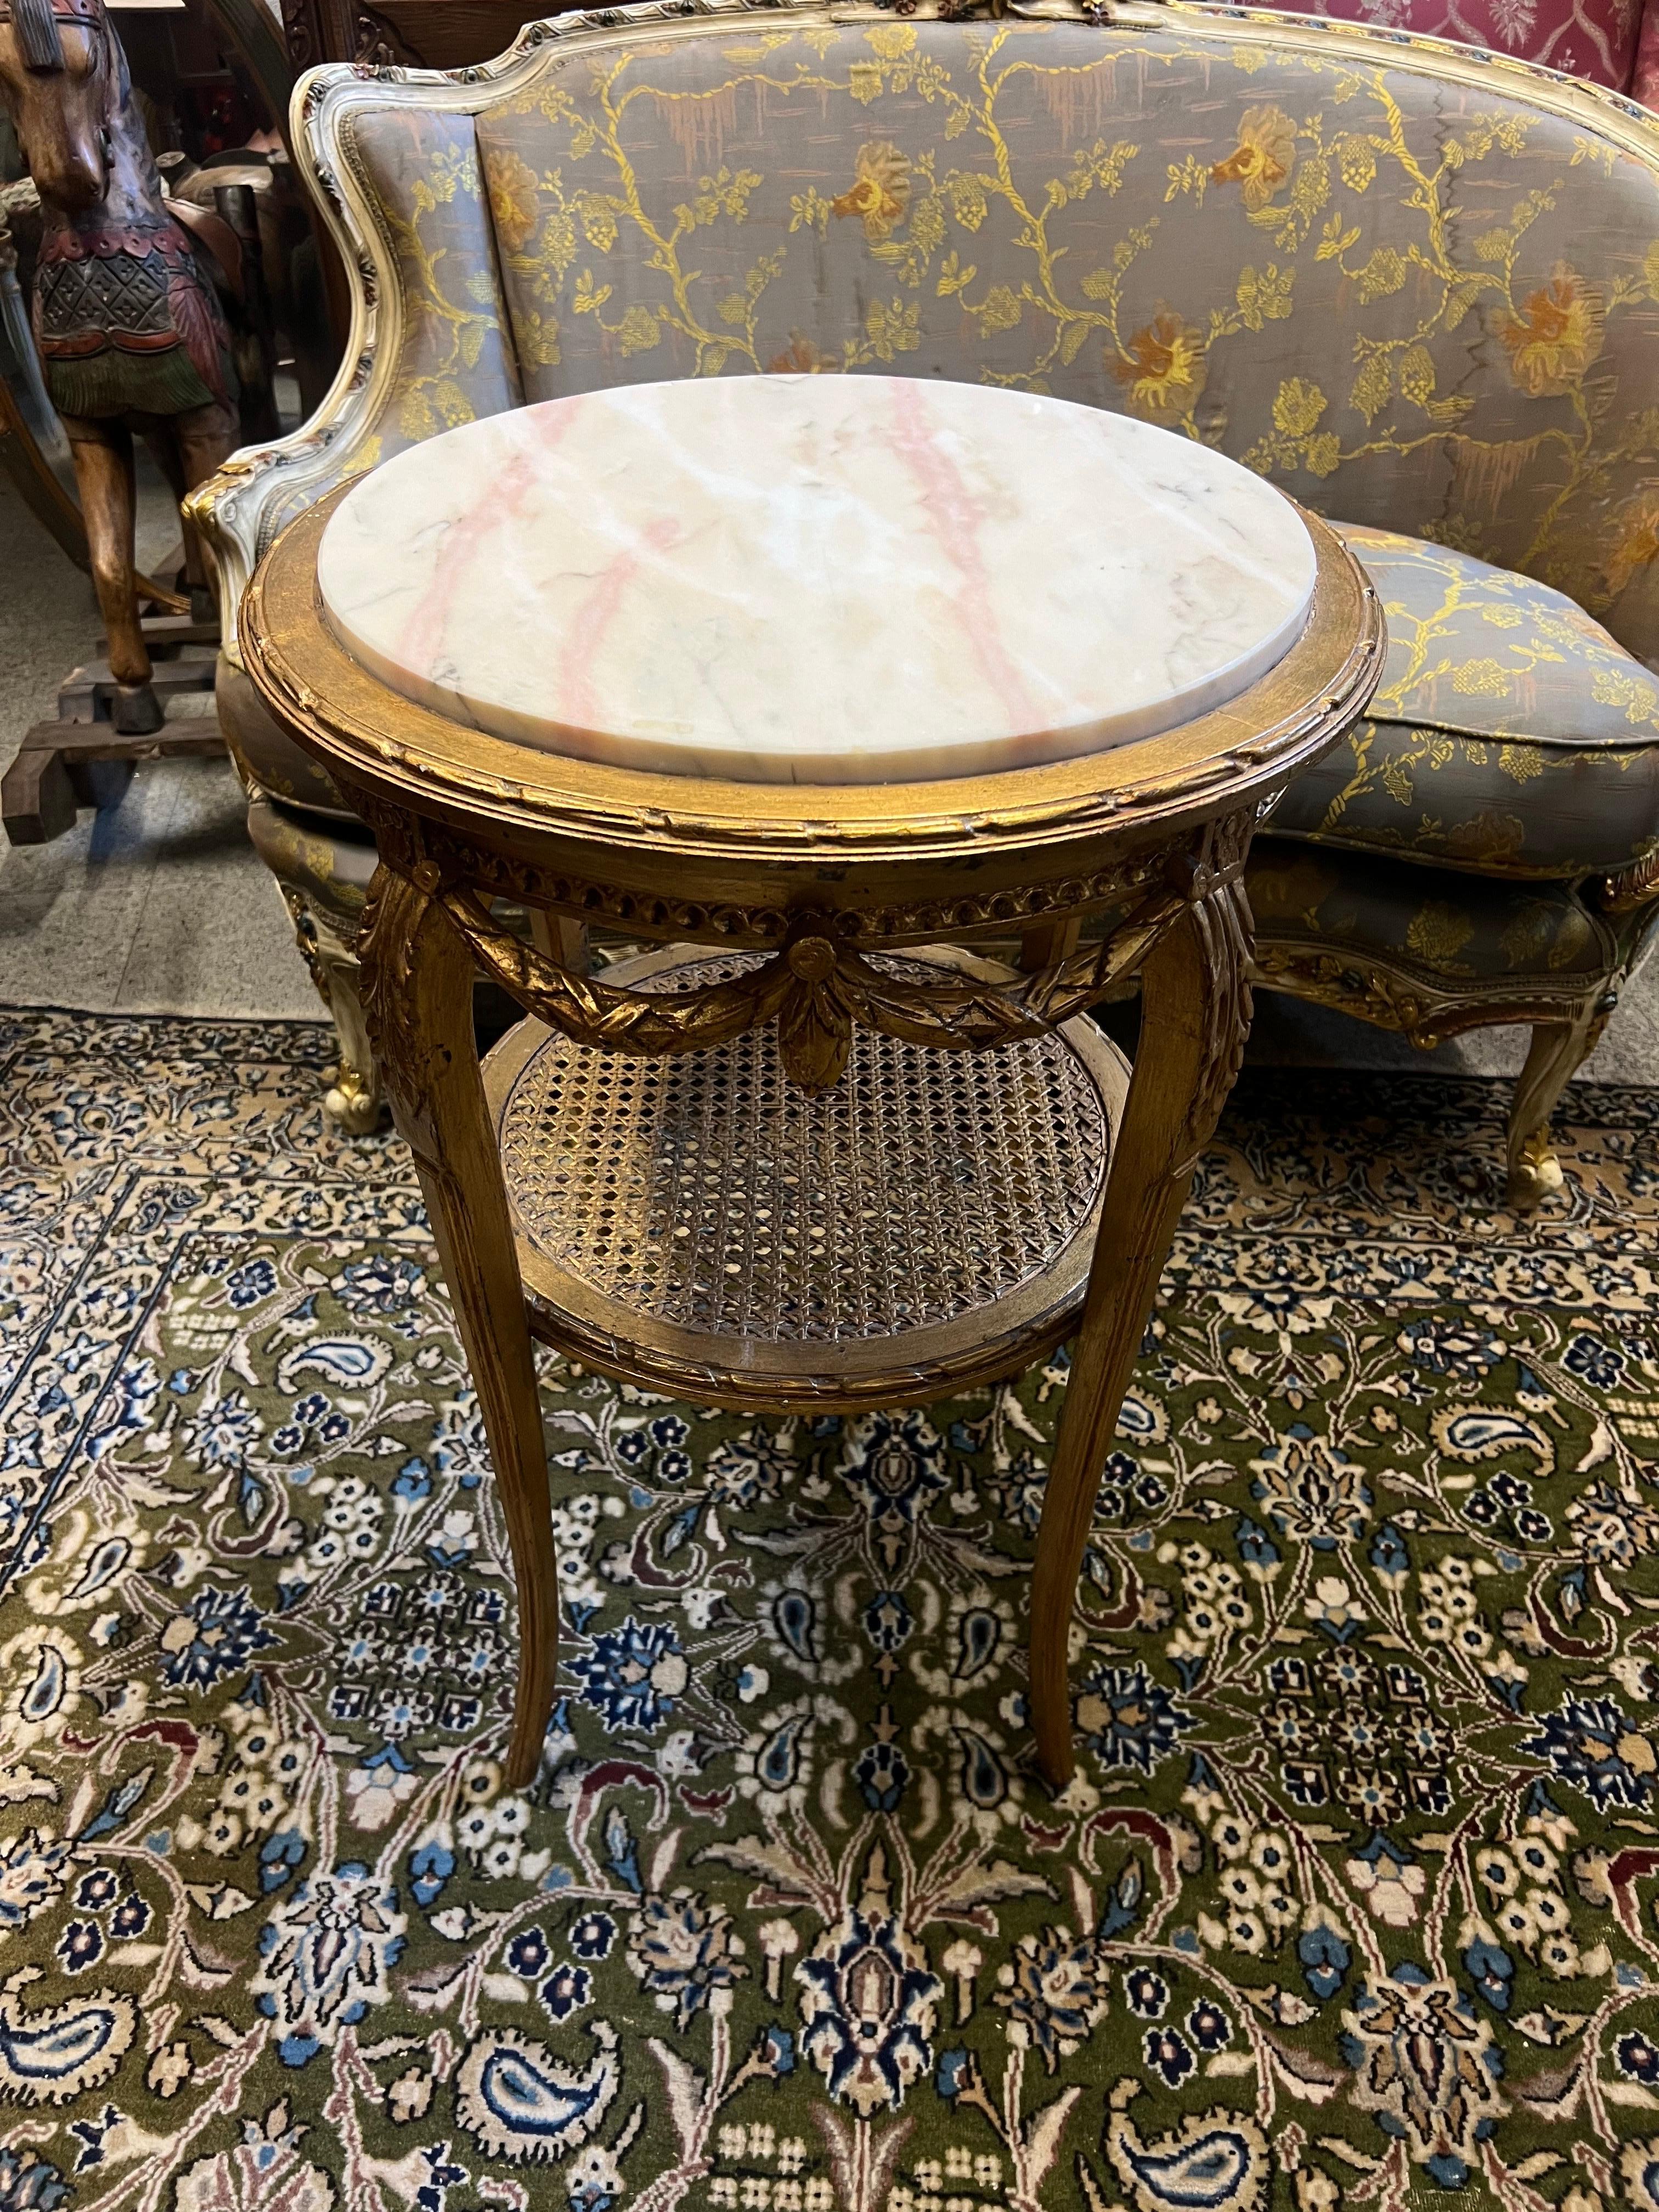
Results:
<point x="160" y="906"/>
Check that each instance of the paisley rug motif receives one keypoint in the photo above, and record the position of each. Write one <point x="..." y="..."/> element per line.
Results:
<point x="1353" y="1902"/>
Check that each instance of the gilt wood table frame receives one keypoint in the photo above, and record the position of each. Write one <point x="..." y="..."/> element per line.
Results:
<point x="1151" y="836"/>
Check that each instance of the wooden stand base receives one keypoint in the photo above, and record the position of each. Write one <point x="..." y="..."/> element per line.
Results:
<point x="64" y="766"/>
<point x="82" y="759"/>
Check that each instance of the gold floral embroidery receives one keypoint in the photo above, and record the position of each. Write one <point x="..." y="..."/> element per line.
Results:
<point x="1263" y="158"/>
<point x="1521" y="762"/>
<point x="1488" y="839"/>
<point x="538" y="338"/>
<point x="1543" y="932"/>
<point x="1635" y="693"/>
<point x="1557" y="337"/>
<point x="999" y="310"/>
<point x="891" y="330"/>
<point x="1291" y="889"/>
<point x="800" y="357"/>
<point x="1299" y="406"/>
<point x="881" y="192"/>
<point x="892" y="40"/>
<point x="1637" y="542"/>
<point x="512" y="199"/>
<point x="427" y="408"/>
<point x="638" y="330"/>
<point x="1480" y="679"/>
<point x="1166" y="370"/>
<point x="1437" y="932"/>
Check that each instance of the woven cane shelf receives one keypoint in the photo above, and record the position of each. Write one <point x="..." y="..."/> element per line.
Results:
<point x="697" y="1220"/>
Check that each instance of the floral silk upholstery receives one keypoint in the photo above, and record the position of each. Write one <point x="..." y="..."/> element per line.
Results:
<point x="455" y="362"/>
<point x="1510" y="734"/>
<point x="1371" y="284"/>
<point x="1419" y="300"/>
<point x="1407" y="301"/>
<point x="1457" y="929"/>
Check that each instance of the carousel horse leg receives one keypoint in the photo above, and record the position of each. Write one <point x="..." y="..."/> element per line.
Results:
<point x="102" y="451"/>
<point x="203" y="439"/>
<point x="159" y="434"/>
<point x="188" y="449"/>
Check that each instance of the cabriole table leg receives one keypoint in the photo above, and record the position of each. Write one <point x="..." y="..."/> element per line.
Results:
<point x="417" y="976"/>
<point x="1195" y="1015"/>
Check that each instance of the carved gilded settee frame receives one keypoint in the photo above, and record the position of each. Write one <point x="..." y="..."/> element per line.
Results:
<point x="265" y="487"/>
<point x="1566" y="1017"/>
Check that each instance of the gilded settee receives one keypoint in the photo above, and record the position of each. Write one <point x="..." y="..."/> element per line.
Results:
<point x="1415" y="284"/>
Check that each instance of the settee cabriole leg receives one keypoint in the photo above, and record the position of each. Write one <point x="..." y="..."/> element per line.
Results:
<point x="1558" y="1051"/>
<point x="355" y="1101"/>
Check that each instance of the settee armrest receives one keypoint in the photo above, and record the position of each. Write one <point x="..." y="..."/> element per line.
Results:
<point x="390" y="158"/>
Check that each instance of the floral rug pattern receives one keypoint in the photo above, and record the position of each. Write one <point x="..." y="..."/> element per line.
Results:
<point x="1353" y="1902"/>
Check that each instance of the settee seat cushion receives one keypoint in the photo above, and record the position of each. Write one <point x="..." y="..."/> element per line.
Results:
<point x="1462" y="935"/>
<point x="266" y="757"/>
<point x="1511" y="734"/>
<point x="330" y="864"/>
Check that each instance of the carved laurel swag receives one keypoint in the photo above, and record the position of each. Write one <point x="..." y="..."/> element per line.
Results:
<point x="818" y="989"/>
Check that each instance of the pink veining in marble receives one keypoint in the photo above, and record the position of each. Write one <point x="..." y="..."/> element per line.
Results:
<point x="956" y="516"/>
<point x="578" y="699"/>
<point x="817" y="579"/>
<point x="466" y="539"/>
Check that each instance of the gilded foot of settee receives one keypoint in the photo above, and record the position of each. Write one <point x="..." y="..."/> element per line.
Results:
<point x="353" y="1101"/>
<point x="1580" y="941"/>
<point x="1535" y="1172"/>
<point x="323" y="870"/>
<point x="1558" y="1051"/>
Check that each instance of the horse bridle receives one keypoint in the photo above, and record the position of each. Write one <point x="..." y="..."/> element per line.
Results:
<point x="36" y="23"/>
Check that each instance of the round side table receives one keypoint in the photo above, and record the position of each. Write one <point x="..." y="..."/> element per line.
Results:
<point x="817" y="1149"/>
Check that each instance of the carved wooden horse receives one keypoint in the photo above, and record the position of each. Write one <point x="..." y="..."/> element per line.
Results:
<point x="129" y="325"/>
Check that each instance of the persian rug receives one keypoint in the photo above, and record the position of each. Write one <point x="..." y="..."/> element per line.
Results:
<point x="1352" y="1903"/>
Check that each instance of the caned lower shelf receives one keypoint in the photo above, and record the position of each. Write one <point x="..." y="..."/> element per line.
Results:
<point x="696" y="1224"/>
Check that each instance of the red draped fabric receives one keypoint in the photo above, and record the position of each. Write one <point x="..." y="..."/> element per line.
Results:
<point x="1610" y="42"/>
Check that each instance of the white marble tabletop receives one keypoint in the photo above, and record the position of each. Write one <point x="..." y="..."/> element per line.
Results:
<point x="816" y="579"/>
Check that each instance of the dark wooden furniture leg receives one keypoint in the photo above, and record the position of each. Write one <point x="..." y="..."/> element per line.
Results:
<point x="1195" y="1015"/>
<point x="417" y="974"/>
